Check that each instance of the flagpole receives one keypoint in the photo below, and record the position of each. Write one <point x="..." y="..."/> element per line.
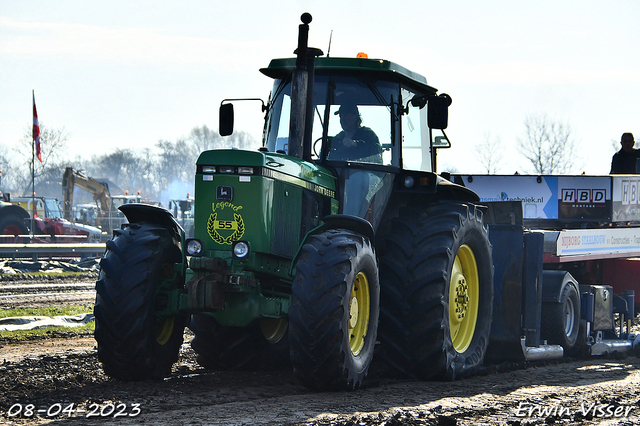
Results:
<point x="33" y="172"/>
<point x="35" y="152"/>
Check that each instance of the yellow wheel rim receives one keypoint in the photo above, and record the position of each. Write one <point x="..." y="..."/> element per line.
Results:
<point x="359" y="312"/>
<point x="464" y="292"/>
<point x="273" y="329"/>
<point x="164" y="329"/>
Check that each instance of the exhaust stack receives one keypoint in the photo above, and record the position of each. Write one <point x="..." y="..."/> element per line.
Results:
<point x="299" y="91"/>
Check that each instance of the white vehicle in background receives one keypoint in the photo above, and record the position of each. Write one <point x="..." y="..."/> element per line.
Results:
<point x="86" y="213"/>
<point x="183" y="211"/>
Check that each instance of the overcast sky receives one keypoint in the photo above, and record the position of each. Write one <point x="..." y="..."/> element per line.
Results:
<point x="124" y="74"/>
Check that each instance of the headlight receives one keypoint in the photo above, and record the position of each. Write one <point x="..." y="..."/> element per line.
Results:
<point x="194" y="247"/>
<point x="408" y="181"/>
<point x="241" y="249"/>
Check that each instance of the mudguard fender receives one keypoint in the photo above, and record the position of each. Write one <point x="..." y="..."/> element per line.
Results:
<point x="553" y="282"/>
<point x="136" y="213"/>
<point x="345" y="221"/>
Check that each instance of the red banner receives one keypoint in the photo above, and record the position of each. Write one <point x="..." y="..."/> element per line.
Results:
<point x="36" y="130"/>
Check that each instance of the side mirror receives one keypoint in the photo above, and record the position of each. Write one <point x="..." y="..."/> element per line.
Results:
<point x="419" y="101"/>
<point x="438" y="111"/>
<point x="441" y="142"/>
<point x="226" y="120"/>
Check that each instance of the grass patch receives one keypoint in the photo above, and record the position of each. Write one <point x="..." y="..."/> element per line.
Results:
<point x="51" y="311"/>
<point x="48" y="311"/>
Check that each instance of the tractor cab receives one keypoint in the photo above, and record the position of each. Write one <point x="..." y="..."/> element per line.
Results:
<point x="369" y="121"/>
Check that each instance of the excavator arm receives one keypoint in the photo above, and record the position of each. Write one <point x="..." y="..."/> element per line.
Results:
<point x="72" y="178"/>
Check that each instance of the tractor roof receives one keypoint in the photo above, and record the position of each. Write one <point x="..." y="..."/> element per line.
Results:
<point x="381" y="68"/>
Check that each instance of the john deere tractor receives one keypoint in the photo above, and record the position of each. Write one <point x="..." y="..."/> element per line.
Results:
<point x="329" y="242"/>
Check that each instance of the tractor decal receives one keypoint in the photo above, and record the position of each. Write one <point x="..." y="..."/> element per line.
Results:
<point x="273" y="174"/>
<point x="235" y="226"/>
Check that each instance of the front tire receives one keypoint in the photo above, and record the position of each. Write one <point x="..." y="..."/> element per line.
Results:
<point x="333" y="318"/>
<point x="437" y="292"/>
<point x="133" y="342"/>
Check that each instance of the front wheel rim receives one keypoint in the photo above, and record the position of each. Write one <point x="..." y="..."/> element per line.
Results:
<point x="164" y="326"/>
<point x="464" y="294"/>
<point x="273" y="329"/>
<point x="359" y="313"/>
<point x="11" y="230"/>
<point x="164" y="330"/>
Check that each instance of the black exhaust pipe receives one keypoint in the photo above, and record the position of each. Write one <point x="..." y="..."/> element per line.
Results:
<point x="299" y="91"/>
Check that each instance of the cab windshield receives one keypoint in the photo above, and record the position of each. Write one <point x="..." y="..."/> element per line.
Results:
<point x="363" y="129"/>
<point x="53" y="208"/>
<point x="356" y="120"/>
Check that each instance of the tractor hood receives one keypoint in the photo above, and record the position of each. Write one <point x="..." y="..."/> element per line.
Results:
<point x="268" y="200"/>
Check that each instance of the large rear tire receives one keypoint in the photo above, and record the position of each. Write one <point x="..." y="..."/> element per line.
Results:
<point x="133" y="342"/>
<point x="333" y="318"/>
<point x="437" y="292"/>
<point x="12" y="224"/>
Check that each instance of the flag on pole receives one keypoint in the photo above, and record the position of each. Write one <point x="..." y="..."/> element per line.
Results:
<point x="36" y="129"/>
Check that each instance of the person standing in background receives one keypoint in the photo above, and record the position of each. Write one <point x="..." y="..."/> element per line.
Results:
<point x="624" y="161"/>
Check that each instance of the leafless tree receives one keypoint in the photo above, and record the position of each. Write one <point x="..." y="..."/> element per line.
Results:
<point x="146" y="172"/>
<point x="204" y="138"/>
<point x="616" y="146"/>
<point x="7" y="183"/>
<point x="549" y="145"/>
<point x="490" y="153"/>
<point x="53" y="142"/>
<point x="176" y="160"/>
<point x="149" y="170"/>
<point x="241" y="140"/>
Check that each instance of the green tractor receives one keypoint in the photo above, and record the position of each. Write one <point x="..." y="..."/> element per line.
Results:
<point x="336" y="239"/>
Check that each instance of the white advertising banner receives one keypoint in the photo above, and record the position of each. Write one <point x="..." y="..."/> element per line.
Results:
<point x="571" y="198"/>
<point x="626" y="198"/>
<point x="598" y="241"/>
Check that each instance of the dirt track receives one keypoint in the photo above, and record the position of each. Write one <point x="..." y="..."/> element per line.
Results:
<point x="60" y="375"/>
<point x="53" y="373"/>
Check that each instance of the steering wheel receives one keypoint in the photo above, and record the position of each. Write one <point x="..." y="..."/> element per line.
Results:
<point x="315" y="146"/>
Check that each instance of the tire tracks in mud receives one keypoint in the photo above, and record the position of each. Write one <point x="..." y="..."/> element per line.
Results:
<point x="192" y="395"/>
<point x="33" y="292"/>
<point x="556" y="392"/>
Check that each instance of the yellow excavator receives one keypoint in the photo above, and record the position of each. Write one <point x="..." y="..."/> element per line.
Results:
<point x="108" y="217"/>
<point x="100" y="191"/>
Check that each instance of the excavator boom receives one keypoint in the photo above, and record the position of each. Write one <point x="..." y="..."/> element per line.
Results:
<point x="72" y="178"/>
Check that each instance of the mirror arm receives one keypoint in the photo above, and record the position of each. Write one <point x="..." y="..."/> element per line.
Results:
<point x="264" y="106"/>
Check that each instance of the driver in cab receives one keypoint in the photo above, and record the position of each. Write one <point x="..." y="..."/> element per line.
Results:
<point x="355" y="141"/>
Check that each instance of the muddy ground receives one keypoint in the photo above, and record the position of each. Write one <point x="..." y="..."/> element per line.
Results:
<point x="58" y="380"/>
<point x="45" y="380"/>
